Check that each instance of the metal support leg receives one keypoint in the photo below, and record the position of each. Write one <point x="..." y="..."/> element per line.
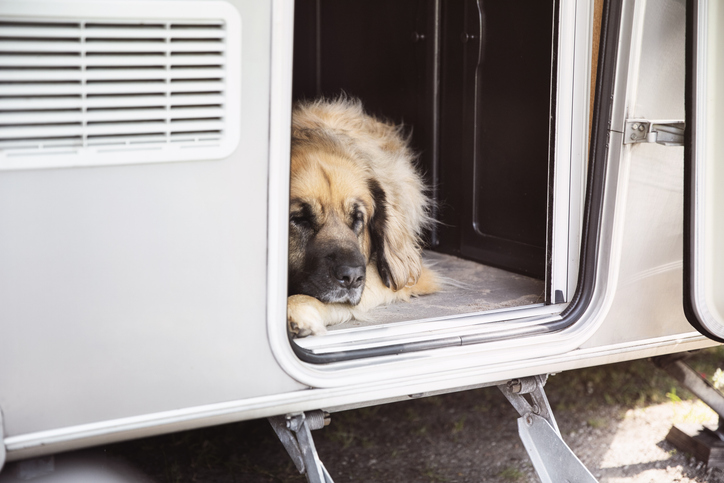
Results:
<point x="294" y="431"/>
<point x="552" y="459"/>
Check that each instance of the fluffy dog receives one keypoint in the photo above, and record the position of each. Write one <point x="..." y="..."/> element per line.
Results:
<point x="357" y="211"/>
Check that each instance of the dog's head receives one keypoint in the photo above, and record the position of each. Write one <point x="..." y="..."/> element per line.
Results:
<point x="341" y="220"/>
<point x="357" y="201"/>
<point x="334" y="211"/>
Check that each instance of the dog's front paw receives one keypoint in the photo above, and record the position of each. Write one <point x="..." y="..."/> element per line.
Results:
<point x="305" y="316"/>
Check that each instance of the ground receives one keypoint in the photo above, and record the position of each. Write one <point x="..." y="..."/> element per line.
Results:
<point x="615" y="418"/>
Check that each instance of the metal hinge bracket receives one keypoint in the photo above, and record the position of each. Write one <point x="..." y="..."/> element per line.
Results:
<point x="552" y="458"/>
<point x="668" y="133"/>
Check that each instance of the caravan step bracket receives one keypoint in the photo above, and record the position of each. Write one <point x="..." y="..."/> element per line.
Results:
<point x="294" y="431"/>
<point x="552" y="458"/>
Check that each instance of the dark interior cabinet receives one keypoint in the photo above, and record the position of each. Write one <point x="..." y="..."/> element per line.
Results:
<point x="474" y="82"/>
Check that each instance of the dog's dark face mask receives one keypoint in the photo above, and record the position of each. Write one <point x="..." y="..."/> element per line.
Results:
<point x="336" y="225"/>
<point x="326" y="259"/>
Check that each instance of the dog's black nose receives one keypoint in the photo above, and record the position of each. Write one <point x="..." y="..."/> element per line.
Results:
<point x="350" y="276"/>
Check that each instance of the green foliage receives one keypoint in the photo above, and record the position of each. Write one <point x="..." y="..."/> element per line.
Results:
<point x="433" y="475"/>
<point x="596" y="423"/>
<point x="458" y="425"/>
<point x="672" y="396"/>
<point x="629" y="384"/>
<point x="511" y="473"/>
<point x="343" y="437"/>
<point x="412" y="414"/>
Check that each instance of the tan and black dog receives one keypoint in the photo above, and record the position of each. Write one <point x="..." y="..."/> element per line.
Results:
<point x="357" y="211"/>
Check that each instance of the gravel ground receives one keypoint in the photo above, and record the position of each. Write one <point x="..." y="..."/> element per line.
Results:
<point x="615" y="418"/>
<point x="630" y="447"/>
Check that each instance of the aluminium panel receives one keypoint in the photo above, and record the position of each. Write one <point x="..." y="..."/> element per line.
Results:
<point x="133" y="289"/>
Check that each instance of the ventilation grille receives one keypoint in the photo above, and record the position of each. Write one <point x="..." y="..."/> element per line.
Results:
<point x="79" y="90"/>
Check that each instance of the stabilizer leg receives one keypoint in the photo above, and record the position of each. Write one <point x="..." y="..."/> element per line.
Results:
<point x="552" y="459"/>
<point x="294" y="431"/>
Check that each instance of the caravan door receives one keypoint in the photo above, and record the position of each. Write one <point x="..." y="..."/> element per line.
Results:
<point x="704" y="170"/>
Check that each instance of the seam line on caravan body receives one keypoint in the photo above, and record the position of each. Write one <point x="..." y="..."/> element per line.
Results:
<point x="3" y="451"/>
<point x="74" y="437"/>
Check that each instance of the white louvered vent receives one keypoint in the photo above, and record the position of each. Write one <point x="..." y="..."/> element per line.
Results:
<point x="88" y="92"/>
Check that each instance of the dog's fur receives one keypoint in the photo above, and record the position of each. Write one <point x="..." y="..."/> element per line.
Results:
<point x="357" y="211"/>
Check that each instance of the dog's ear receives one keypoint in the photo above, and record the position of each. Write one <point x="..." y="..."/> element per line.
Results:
<point x="394" y="245"/>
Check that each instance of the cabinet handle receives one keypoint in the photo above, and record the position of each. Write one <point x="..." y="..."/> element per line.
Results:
<point x="466" y="37"/>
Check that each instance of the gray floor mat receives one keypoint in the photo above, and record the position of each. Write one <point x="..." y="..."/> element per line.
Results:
<point x="473" y="288"/>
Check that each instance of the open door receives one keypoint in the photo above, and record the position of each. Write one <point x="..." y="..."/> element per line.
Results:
<point x="704" y="173"/>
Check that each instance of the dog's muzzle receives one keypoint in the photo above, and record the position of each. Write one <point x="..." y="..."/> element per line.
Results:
<point x="337" y="277"/>
<point x="349" y="277"/>
<point x="347" y="283"/>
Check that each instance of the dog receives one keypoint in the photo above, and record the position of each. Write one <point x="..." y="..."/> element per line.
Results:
<point x="358" y="210"/>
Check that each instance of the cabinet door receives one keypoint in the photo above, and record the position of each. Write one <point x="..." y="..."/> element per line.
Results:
<point x="379" y="51"/>
<point x="496" y="114"/>
<point x="704" y="196"/>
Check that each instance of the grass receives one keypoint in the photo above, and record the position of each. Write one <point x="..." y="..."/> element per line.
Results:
<point x="412" y="415"/>
<point x="629" y="384"/>
<point x="340" y="435"/>
<point x="458" y="425"/>
<point x="596" y="423"/>
<point x="672" y="396"/>
<point x="433" y="475"/>
<point x="511" y="473"/>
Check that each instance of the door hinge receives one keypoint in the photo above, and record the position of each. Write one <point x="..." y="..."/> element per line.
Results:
<point x="668" y="133"/>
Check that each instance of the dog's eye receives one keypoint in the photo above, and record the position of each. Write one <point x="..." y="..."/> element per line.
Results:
<point x="301" y="221"/>
<point x="358" y="219"/>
